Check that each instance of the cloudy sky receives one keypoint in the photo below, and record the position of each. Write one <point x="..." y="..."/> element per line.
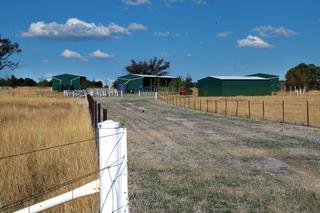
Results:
<point x="98" y="38"/>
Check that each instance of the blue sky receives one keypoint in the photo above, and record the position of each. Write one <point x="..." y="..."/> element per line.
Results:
<point x="98" y="38"/>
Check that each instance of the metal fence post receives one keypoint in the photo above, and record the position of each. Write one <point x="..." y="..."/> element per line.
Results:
<point x="113" y="167"/>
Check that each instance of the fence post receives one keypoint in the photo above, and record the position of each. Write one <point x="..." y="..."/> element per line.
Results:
<point x="184" y="102"/>
<point x="207" y="105"/>
<point x="237" y="109"/>
<point x="113" y="167"/>
<point x="283" y="111"/>
<point x="156" y="95"/>
<point x="249" y="109"/>
<point x="216" y="106"/>
<point x="99" y="112"/>
<point x="139" y="93"/>
<point x="194" y="107"/>
<point x="104" y="114"/>
<point x="263" y="110"/>
<point x="308" y="121"/>
<point x="189" y="103"/>
<point x="226" y="108"/>
<point x="200" y="105"/>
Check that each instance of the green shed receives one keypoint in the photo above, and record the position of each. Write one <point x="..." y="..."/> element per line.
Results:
<point x="274" y="79"/>
<point x="135" y="82"/>
<point x="234" y="86"/>
<point x="66" y="82"/>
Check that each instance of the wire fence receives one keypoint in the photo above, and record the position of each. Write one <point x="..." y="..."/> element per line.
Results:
<point x="303" y="112"/>
<point x="116" y="170"/>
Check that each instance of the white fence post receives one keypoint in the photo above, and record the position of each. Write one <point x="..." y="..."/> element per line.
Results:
<point x="156" y="95"/>
<point x="139" y="93"/>
<point x="113" y="180"/>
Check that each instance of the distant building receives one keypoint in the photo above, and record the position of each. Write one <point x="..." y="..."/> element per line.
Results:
<point x="135" y="82"/>
<point x="251" y="85"/>
<point x="66" y="82"/>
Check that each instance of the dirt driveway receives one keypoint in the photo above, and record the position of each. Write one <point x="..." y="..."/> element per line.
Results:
<point x="186" y="161"/>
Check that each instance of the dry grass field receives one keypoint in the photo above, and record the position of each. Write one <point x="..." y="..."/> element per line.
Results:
<point x="37" y="118"/>
<point x="182" y="160"/>
<point x="287" y="108"/>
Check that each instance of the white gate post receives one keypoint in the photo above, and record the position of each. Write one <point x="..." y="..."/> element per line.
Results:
<point x="139" y="93"/>
<point x="156" y="95"/>
<point x="113" y="180"/>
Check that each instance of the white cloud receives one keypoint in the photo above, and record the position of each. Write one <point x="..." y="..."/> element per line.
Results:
<point x="72" y="55"/>
<point x="137" y="2"/>
<point x="45" y="61"/>
<point x="116" y="29"/>
<point x="74" y="29"/>
<point x="162" y="34"/>
<point x="165" y="54"/>
<point x="170" y="2"/>
<point x="102" y="55"/>
<point x="188" y="55"/>
<point x="274" y="31"/>
<point x="137" y="27"/>
<point x="224" y="34"/>
<point x="254" y="42"/>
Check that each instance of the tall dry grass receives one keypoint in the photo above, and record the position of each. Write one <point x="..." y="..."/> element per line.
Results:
<point x="35" y="118"/>
<point x="292" y="109"/>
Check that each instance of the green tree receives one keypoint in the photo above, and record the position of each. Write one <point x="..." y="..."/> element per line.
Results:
<point x="304" y="75"/>
<point x="7" y="48"/>
<point x="44" y="83"/>
<point x="188" y="82"/>
<point x="154" y="66"/>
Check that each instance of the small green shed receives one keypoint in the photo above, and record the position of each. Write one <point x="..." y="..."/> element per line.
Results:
<point x="66" y="82"/>
<point x="137" y="82"/>
<point x="235" y="86"/>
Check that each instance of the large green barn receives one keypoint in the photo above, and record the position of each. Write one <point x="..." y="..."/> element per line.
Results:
<point x="253" y="85"/>
<point x="66" y="82"/>
<point x="136" y="82"/>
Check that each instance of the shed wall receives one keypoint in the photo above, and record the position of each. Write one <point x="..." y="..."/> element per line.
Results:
<point x="209" y="87"/>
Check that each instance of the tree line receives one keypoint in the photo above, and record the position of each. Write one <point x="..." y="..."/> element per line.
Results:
<point x="29" y="82"/>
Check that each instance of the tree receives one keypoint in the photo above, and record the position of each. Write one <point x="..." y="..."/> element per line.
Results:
<point x="304" y="75"/>
<point x="188" y="82"/>
<point x="7" y="48"/>
<point x="154" y="66"/>
<point x="44" y="83"/>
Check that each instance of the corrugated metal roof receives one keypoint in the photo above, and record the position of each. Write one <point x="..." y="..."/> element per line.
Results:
<point x="154" y="76"/>
<point x="238" y="78"/>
